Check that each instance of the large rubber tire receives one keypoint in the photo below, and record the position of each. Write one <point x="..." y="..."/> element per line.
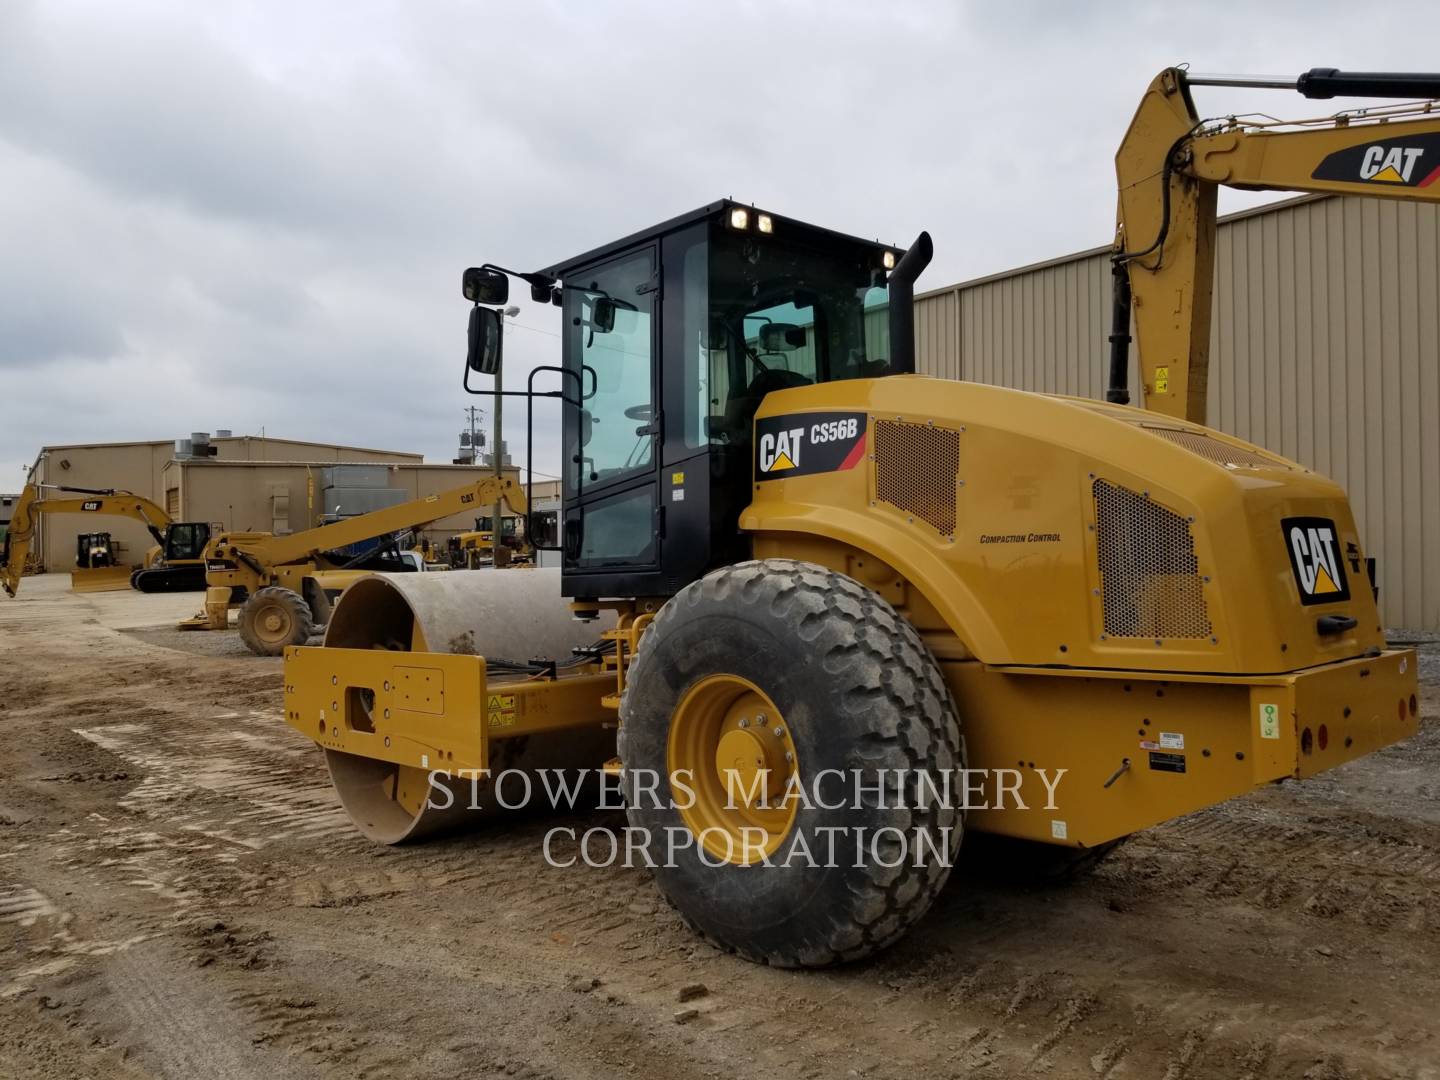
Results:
<point x="1031" y="862"/>
<point x="859" y="691"/>
<point x="273" y="618"/>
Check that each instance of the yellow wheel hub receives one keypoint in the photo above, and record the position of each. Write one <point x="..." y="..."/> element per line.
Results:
<point x="273" y="623"/>
<point x="731" y="747"/>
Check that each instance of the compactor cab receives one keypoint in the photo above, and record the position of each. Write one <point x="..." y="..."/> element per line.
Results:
<point x="672" y="337"/>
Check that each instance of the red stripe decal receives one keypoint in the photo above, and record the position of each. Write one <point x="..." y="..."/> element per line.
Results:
<point x="1434" y="175"/>
<point x="856" y="453"/>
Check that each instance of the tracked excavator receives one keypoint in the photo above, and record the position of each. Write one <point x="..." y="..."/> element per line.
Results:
<point x="284" y="586"/>
<point x="175" y="564"/>
<point x="794" y="564"/>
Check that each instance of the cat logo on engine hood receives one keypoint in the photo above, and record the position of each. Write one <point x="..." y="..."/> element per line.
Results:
<point x="1314" y="548"/>
<point x="800" y="444"/>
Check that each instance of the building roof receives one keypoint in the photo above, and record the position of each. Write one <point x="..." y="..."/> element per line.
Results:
<point x="227" y="439"/>
<point x="1088" y="253"/>
<point x="247" y="463"/>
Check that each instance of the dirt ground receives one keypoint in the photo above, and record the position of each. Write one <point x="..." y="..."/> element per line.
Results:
<point x="180" y="896"/>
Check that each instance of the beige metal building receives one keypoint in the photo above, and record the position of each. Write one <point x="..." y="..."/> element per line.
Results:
<point x="144" y="468"/>
<point x="1325" y="348"/>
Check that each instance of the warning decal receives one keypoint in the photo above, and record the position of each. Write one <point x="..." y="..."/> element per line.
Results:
<point x="1269" y="721"/>
<point x="500" y="710"/>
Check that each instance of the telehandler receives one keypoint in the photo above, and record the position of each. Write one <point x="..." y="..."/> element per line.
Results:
<point x="175" y="564"/>
<point x="812" y="566"/>
<point x="284" y="585"/>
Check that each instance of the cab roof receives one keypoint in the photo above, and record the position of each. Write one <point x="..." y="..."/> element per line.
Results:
<point x="714" y="211"/>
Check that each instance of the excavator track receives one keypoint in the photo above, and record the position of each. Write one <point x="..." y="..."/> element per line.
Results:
<point x="168" y="579"/>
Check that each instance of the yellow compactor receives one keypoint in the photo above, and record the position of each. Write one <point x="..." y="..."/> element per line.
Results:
<point x="805" y="583"/>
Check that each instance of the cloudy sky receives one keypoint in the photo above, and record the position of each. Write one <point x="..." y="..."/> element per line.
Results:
<point x="254" y="215"/>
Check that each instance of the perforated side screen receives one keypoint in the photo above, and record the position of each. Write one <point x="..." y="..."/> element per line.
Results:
<point x="1222" y="453"/>
<point x="1150" y="586"/>
<point x="915" y="470"/>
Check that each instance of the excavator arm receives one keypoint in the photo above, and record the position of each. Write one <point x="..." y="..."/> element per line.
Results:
<point x="102" y="501"/>
<point x="1170" y="167"/>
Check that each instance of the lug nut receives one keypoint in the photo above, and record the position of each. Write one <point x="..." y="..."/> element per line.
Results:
<point x="744" y="721"/>
<point x="779" y="731"/>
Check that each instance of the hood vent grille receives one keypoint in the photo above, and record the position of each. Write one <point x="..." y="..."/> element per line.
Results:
<point x="916" y="468"/>
<point x="1150" y="584"/>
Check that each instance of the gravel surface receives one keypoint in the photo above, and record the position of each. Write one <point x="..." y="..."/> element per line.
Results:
<point x="181" y="896"/>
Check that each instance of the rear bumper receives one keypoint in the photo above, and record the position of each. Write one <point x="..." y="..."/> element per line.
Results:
<point x="1339" y="712"/>
<point x="1169" y="744"/>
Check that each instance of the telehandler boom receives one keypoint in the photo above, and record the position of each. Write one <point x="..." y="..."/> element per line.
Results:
<point x="175" y="565"/>
<point x="825" y="586"/>
<point x="283" y="584"/>
<point x="1171" y="165"/>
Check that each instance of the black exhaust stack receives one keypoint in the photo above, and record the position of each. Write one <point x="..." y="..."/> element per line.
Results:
<point x="1119" y="390"/>
<point x="902" y="304"/>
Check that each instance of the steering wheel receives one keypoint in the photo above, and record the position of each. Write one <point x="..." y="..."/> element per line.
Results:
<point x="638" y="412"/>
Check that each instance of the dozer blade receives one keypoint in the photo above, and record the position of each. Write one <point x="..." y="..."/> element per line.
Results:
<point x="101" y="579"/>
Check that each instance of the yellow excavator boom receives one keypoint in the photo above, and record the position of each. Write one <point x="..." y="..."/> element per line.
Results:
<point x="1169" y="168"/>
<point x="101" y="501"/>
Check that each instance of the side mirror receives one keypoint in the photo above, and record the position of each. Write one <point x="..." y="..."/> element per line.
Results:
<point x="483" y="354"/>
<point x="781" y="337"/>
<point x="602" y="315"/>
<point x="715" y="335"/>
<point x="482" y="285"/>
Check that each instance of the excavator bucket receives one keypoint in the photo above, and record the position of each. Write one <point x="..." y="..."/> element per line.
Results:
<point x="101" y="579"/>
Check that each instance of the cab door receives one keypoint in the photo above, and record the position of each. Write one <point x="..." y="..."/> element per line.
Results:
<point x="611" y="543"/>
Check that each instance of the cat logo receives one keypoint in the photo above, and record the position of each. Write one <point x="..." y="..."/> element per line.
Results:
<point x="90" y="504"/>
<point x="805" y="444"/>
<point x="1315" y="558"/>
<point x="1404" y="161"/>
<point x="1392" y="165"/>
<point x="780" y="450"/>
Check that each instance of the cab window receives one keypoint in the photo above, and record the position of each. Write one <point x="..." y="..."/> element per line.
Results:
<point x="608" y="315"/>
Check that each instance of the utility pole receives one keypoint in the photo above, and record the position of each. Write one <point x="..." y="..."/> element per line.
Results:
<point x="473" y="413"/>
